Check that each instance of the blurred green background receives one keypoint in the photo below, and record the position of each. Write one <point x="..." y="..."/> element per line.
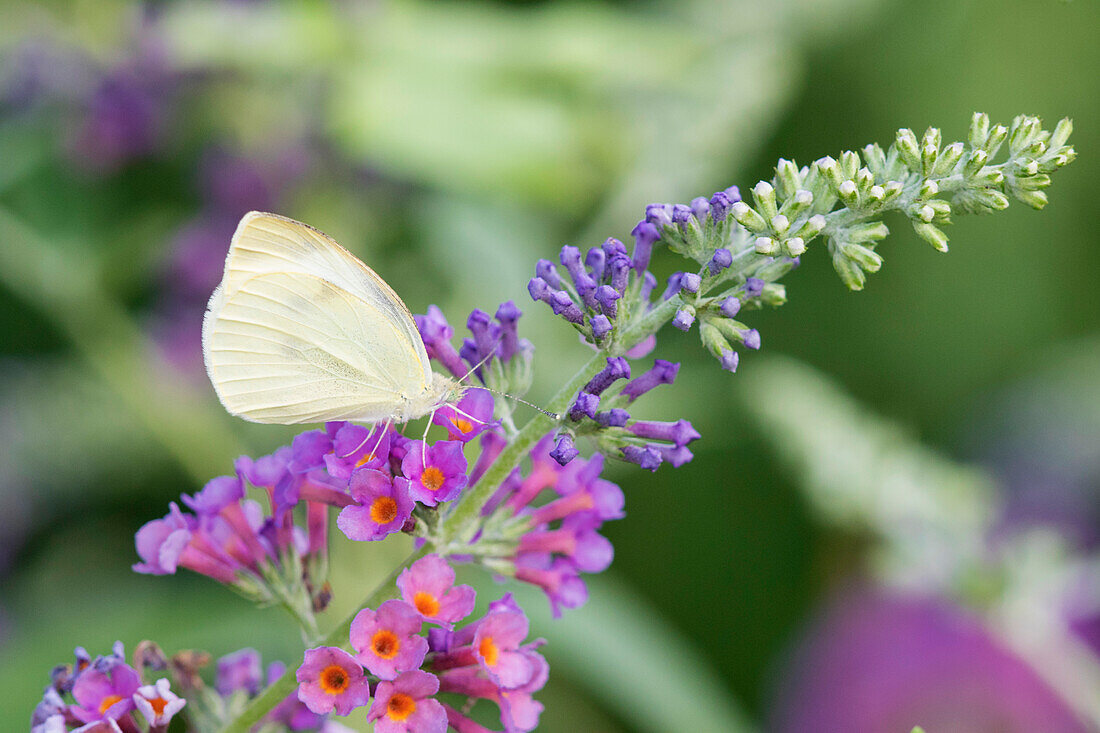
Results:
<point x="436" y="139"/>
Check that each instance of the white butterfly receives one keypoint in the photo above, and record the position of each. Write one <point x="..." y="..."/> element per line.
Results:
<point x="301" y="331"/>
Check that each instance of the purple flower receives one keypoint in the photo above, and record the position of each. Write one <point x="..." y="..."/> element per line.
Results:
<point x="560" y="581"/>
<point x="608" y="297"/>
<point x="645" y="236"/>
<point x="428" y="586"/>
<point x="384" y="506"/>
<point x="617" y="368"/>
<point x="406" y="705"/>
<point x="157" y="703"/>
<point x="683" y="319"/>
<point x="680" y="432"/>
<point x="690" y="282"/>
<point x="387" y="641"/>
<point x="330" y="679"/>
<point x="754" y="286"/>
<point x="729" y="360"/>
<point x="730" y="307"/>
<point x="240" y="670"/>
<point x="436" y="473"/>
<point x="437" y="333"/>
<point x="616" y="417"/>
<point x="647" y="458"/>
<point x="564" y="450"/>
<point x="720" y="260"/>
<point x="508" y="314"/>
<point x="662" y="372"/>
<point x="165" y="544"/>
<point x="589" y="551"/>
<point x="584" y="406"/>
<point x="601" y="327"/>
<point x="469" y="417"/>
<point x="355" y="447"/>
<point x="105" y="694"/>
<point x="879" y="662"/>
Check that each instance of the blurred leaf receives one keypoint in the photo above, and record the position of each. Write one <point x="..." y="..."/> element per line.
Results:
<point x="628" y="656"/>
<point x="864" y="472"/>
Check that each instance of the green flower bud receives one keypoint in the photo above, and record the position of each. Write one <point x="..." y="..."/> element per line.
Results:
<point x="850" y="273"/>
<point x="979" y="129"/>
<point x="763" y="195"/>
<point x="788" y="179"/>
<point x="869" y="232"/>
<point x="849" y="163"/>
<point x="931" y="234"/>
<point x="811" y="227"/>
<point x="747" y="217"/>
<point x="1061" y="133"/>
<point x="906" y="145"/>
<point x="797" y="204"/>
<point x="794" y="247"/>
<point x="948" y="159"/>
<point x="775" y="294"/>
<point x="865" y="257"/>
<point x="849" y="193"/>
<point x="975" y="162"/>
<point x="876" y="159"/>
<point x="766" y="246"/>
<point x="1034" y="199"/>
<point x="996" y="138"/>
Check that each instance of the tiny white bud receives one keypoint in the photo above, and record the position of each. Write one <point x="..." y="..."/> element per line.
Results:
<point x="795" y="246"/>
<point x="780" y="223"/>
<point x="877" y="193"/>
<point x="929" y="188"/>
<point x="761" y="189"/>
<point x="803" y="197"/>
<point x="765" y="245"/>
<point x="926" y="213"/>
<point x="1031" y="168"/>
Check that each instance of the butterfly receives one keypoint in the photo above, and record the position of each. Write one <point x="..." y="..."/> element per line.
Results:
<point x="301" y="331"/>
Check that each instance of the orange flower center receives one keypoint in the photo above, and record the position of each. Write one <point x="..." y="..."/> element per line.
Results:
<point x="158" y="704"/>
<point x="463" y="426"/>
<point x="488" y="651"/>
<point x="385" y="644"/>
<point x="334" y="679"/>
<point x="400" y="706"/>
<point x="108" y="702"/>
<point x="383" y="510"/>
<point x="365" y="460"/>
<point x="426" y="603"/>
<point x="432" y="478"/>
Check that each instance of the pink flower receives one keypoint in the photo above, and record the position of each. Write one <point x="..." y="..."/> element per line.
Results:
<point x="104" y="694"/>
<point x="384" y="506"/>
<point x="496" y="647"/>
<point x="330" y="679"/>
<point x="387" y="641"/>
<point x="428" y="585"/>
<point x="405" y="705"/>
<point x="355" y="447"/>
<point x="469" y="417"/>
<point x="436" y="473"/>
<point x="157" y="703"/>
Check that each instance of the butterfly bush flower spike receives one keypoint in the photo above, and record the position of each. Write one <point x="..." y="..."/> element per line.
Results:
<point x="526" y="502"/>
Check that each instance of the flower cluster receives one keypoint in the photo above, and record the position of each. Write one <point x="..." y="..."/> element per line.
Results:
<point x="494" y="352"/>
<point x="108" y="696"/>
<point x="406" y="666"/>
<point x="374" y="475"/>
<point x="541" y="526"/>
<point x="523" y="503"/>
<point x="600" y="409"/>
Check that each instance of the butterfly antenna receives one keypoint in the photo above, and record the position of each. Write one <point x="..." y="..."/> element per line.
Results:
<point x="554" y="415"/>
<point x="481" y="363"/>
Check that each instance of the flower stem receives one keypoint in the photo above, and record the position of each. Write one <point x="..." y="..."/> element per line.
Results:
<point x="463" y="519"/>
<point x="278" y="691"/>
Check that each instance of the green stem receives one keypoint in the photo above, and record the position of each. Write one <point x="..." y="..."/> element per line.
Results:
<point x="464" y="517"/>
<point x="275" y="693"/>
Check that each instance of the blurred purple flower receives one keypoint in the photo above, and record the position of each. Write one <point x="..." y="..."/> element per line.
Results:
<point x="880" y="662"/>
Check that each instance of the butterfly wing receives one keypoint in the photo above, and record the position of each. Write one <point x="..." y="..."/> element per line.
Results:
<point x="300" y="331"/>
<point x="265" y="243"/>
